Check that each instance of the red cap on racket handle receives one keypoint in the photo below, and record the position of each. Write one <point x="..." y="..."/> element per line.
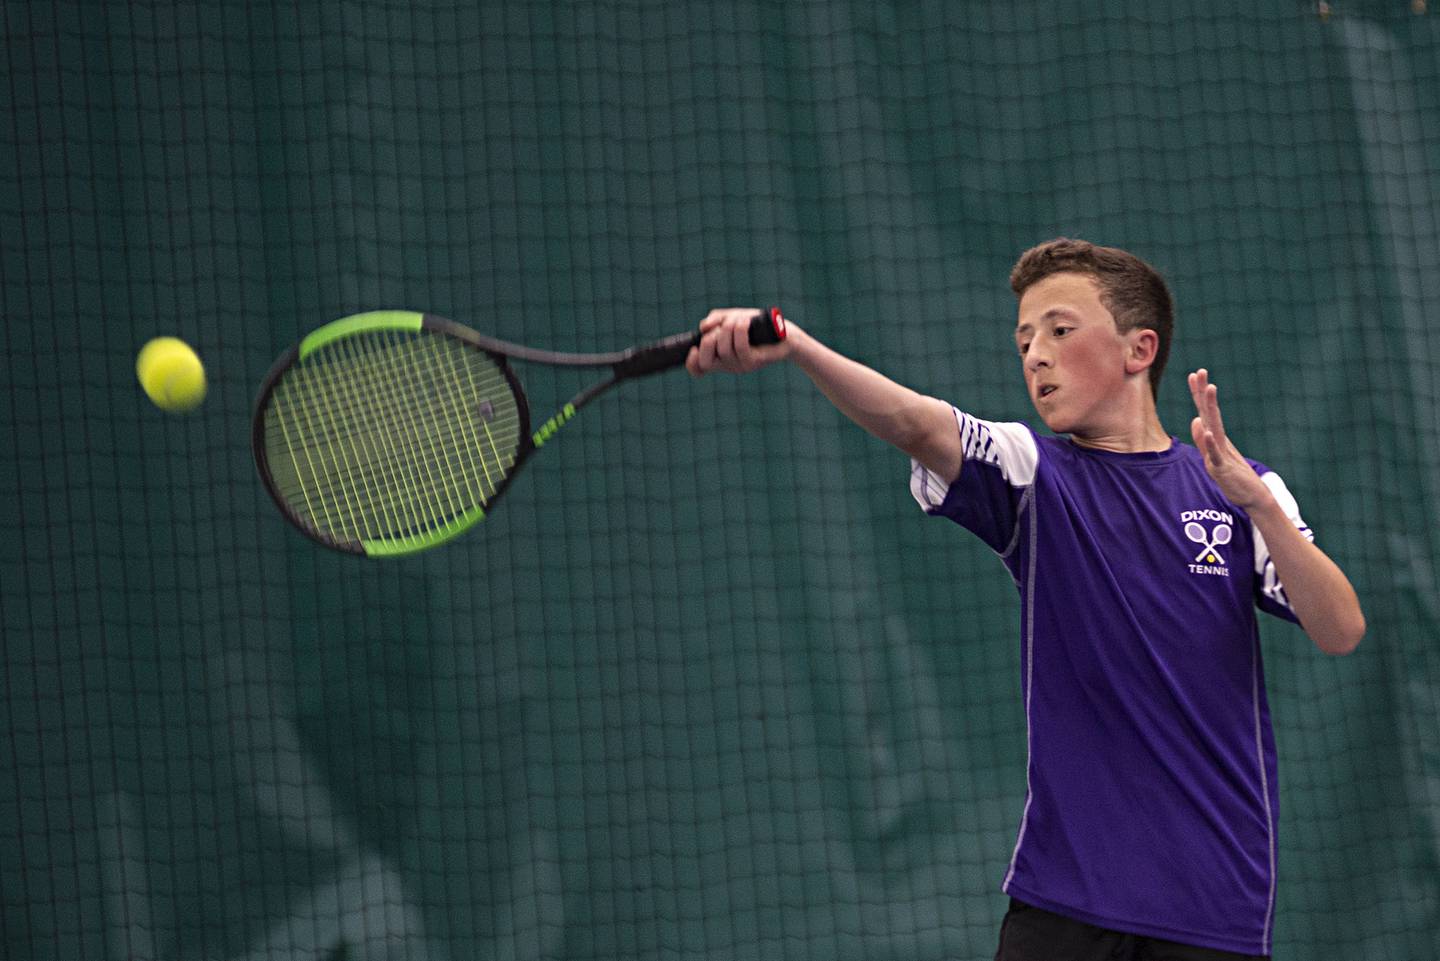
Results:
<point x="767" y="327"/>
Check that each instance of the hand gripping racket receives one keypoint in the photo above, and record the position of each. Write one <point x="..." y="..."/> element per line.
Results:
<point x="391" y="432"/>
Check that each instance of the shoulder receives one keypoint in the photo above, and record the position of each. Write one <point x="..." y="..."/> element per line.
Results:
<point x="1010" y="446"/>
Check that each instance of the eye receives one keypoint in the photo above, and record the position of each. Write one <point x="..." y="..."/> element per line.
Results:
<point x="1023" y="348"/>
<point x="1061" y="330"/>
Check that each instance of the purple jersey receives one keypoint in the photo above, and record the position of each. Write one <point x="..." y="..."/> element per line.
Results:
<point x="1151" y="801"/>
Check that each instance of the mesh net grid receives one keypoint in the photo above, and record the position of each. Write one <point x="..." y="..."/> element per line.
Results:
<point x="707" y="684"/>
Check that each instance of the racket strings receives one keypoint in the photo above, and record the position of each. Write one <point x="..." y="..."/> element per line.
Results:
<point x="423" y="493"/>
<point x="343" y="456"/>
<point x="391" y="435"/>
<point x="341" y="450"/>
<point x="416" y="467"/>
<point x="437" y="461"/>
<point x="392" y="464"/>
<point x="346" y="449"/>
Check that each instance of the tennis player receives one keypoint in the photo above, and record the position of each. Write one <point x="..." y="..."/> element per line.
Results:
<point x="1149" y="826"/>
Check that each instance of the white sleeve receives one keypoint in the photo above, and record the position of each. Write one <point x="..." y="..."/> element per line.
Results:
<point x="1269" y="582"/>
<point x="1008" y="447"/>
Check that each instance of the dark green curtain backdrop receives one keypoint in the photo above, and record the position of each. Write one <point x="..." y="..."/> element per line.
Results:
<point x="708" y="684"/>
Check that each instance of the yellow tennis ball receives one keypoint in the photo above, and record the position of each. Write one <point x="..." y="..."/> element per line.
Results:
<point x="171" y="374"/>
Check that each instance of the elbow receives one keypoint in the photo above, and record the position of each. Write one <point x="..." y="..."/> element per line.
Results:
<point x="1344" y="638"/>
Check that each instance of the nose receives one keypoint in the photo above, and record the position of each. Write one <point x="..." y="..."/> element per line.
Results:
<point x="1037" y="355"/>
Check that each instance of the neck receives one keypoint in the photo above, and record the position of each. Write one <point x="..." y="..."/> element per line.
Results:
<point x="1133" y="431"/>
<point x="1138" y="438"/>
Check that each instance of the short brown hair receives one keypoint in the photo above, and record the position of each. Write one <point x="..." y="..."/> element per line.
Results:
<point x="1132" y="290"/>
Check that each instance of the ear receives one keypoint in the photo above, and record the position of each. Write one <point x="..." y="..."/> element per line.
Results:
<point x="1141" y="347"/>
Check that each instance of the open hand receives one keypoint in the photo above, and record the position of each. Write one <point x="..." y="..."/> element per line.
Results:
<point x="1235" y="477"/>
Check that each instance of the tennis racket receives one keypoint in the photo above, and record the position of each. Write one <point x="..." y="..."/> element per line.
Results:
<point x="391" y="432"/>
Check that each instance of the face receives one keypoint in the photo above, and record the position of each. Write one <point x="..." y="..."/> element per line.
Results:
<point x="1073" y="357"/>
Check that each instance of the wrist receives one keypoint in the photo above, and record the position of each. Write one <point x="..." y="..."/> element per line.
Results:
<point x="1265" y="510"/>
<point x="800" y="347"/>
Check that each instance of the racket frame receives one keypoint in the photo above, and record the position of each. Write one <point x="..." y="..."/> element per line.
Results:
<point x="400" y="321"/>
<point x="638" y="361"/>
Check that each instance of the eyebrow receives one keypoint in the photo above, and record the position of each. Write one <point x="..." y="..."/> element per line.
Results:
<point x="1052" y="313"/>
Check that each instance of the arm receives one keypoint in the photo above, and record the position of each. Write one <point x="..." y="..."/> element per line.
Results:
<point x="923" y="427"/>
<point x="1319" y="592"/>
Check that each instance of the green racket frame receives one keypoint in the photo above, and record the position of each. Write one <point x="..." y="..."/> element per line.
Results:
<point x="638" y="361"/>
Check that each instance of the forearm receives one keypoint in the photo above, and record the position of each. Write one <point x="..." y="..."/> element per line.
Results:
<point x="1318" y="590"/>
<point x="921" y="426"/>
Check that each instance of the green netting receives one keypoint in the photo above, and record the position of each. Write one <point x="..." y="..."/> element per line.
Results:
<point x="707" y="684"/>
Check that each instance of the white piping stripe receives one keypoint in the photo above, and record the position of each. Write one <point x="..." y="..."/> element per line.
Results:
<point x="1025" y="500"/>
<point x="1029" y="684"/>
<point x="926" y="487"/>
<point x="1265" y="792"/>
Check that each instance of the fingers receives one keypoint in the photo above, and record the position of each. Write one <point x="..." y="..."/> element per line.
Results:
<point x="1208" y="428"/>
<point x="1205" y="441"/>
<point x="1207" y="401"/>
<point x="1199" y="382"/>
<point x="724" y="343"/>
<point x="701" y="359"/>
<point x="1197" y="433"/>
<point x="712" y="320"/>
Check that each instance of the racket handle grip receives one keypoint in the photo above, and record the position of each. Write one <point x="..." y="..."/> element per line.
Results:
<point x="766" y="327"/>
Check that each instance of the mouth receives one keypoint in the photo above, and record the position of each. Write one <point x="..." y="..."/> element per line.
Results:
<point x="1045" y="391"/>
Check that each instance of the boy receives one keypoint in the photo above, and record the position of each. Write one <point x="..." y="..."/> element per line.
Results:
<point x="1148" y="830"/>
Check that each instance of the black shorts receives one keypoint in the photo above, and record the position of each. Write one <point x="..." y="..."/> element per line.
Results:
<point x="1031" y="934"/>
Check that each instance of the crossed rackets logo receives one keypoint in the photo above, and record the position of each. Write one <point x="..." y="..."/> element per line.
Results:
<point x="1219" y="536"/>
